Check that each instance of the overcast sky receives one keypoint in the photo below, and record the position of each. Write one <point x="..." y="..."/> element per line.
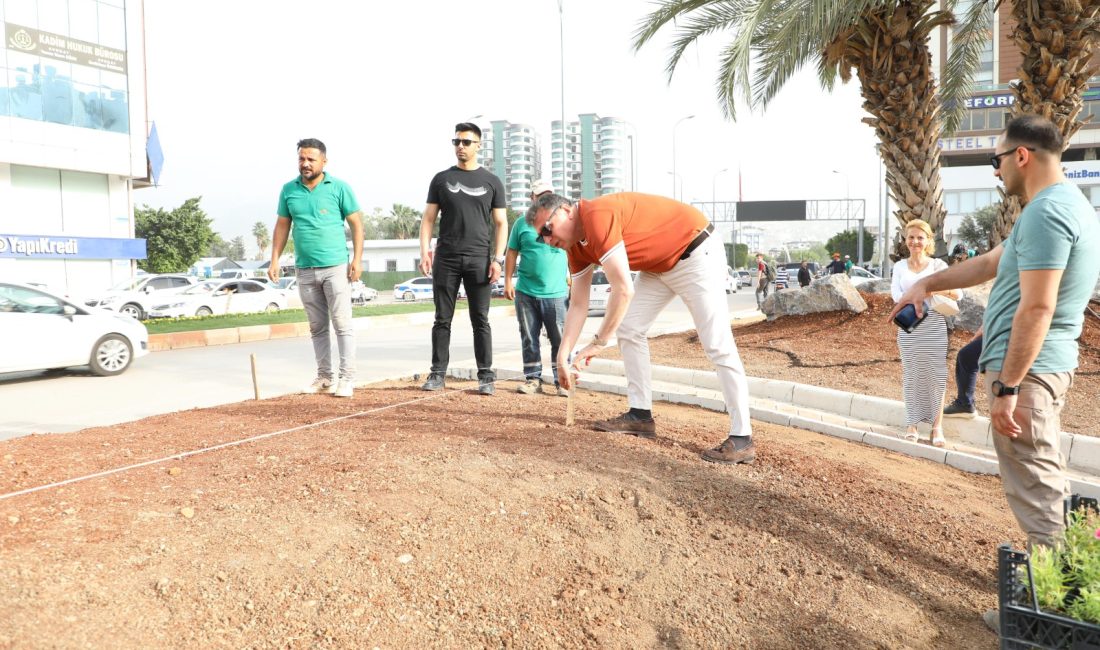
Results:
<point x="233" y="85"/>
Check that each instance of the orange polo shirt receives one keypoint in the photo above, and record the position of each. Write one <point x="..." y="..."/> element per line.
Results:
<point x="654" y="230"/>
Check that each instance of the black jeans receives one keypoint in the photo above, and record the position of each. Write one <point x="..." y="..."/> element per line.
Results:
<point x="966" y="371"/>
<point x="472" y="271"/>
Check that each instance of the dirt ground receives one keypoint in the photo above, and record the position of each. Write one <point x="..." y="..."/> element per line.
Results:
<point x="401" y="519"/>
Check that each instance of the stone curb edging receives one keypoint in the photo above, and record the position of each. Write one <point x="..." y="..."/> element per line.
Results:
<point x="247" y="334"/>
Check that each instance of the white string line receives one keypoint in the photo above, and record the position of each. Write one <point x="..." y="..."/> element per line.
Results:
<point x="224" y="445"/>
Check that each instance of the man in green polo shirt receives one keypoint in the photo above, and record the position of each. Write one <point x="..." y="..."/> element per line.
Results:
<point x="1044" y="275"/>
<point x="316" y="205"/>
<point x="540" y="295"/>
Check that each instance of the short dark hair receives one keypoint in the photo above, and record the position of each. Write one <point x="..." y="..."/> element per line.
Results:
<point x="468" y="126"/>
<point x="546" y="201"/>
<point x="312" y="143"/>
<point x="1030" y="130"/>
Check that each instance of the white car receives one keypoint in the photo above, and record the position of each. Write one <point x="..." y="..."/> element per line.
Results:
<point x="859" y="275"/>
<point x="600" y="292"/>
<point x="220" y="297"/>
<point x="733" y="281"/>
<point x="44" y="332"/>
<point x="134" y="297"/>
<point x="361" y="294"/>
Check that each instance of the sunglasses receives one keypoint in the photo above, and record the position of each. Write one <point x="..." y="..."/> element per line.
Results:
<point x="547" y="229"/>
<point x="464" y="142"/>
<point x="995" y="159"/>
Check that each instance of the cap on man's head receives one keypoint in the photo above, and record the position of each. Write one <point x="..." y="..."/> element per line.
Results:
<point x="541" y="186"/>
<point x="847" y="257"/>
<point x="836" y="254"/>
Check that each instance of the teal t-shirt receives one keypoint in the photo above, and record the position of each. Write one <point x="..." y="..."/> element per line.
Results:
<point x="542" y="268"/>
<point x="317" y="220"/>
<point x="1058" y="229"/>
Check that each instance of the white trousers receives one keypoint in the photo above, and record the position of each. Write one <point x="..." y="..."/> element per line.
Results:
<point x="700" y="282"/>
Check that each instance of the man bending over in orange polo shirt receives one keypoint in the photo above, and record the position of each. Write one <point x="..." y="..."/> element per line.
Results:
<point x="668" y="242"/>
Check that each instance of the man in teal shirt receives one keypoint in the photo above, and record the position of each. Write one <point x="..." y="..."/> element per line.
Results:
<point x="540" y="294"/>
<point x="1045" y="273"/>
<point x="316" y="205"/>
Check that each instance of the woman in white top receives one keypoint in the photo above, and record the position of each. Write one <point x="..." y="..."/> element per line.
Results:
<point x="924" y="350"/>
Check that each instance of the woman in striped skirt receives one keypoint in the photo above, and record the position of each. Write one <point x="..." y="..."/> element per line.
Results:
<point x="924" y="350"/>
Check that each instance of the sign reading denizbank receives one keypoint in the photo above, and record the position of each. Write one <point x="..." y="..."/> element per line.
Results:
<point x="63" y="48"/>
<point x="77" y="248"/>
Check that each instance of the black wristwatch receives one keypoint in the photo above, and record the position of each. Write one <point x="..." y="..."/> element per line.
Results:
<point x="499" y="260"/>
<point x="1000" y="390"/>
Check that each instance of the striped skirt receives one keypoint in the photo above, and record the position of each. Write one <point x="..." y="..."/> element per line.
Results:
<point x="924" y="369"/>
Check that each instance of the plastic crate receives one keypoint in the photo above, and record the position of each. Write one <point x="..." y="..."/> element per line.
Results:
<point x="1023" y="624"/>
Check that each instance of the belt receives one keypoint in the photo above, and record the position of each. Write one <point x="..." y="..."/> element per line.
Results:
<point x="699" y="239"/>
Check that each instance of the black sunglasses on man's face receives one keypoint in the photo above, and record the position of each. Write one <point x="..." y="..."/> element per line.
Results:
<point x="465" y="142"/>
<point x="995" y="159"/>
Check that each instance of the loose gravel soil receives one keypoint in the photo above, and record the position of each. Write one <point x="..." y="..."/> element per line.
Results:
<point x="403" y="519"/>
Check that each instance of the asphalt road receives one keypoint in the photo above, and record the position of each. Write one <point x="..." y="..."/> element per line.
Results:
<point x="175" y="380"/>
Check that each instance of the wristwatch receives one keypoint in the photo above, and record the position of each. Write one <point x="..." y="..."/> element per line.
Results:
<point x="598" y="342"/>
<point x="499" y="259"/>
<point x="1000" y="390"/>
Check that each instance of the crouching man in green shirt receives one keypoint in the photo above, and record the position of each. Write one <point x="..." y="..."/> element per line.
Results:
<point x="316" y="205"/>
<point x="1044" y="274"/>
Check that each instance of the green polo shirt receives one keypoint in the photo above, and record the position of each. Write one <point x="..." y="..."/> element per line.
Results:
<point x="542" y="268"/>
<point x="1057" y="230"/>
<point x="317" y="220"/>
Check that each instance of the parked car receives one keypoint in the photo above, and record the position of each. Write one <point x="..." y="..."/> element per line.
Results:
<point x="745" y="277"/>
<point x="287" y="283"/>
<point x="50" y="332"/>
<point x="859" y="275"/>
<point x="134" y="297"/>
<point x="220" y="297"/>
<point x="600" y="292"/>
<point x="733" y="281"/>
<point x="414" y="289"/>
<point x="236" y="274"/>
<point x="361" y="294"/>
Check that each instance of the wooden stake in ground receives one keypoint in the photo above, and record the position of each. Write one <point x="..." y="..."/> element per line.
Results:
<point x="569" y="406"/>
<point x="255" y="383"/>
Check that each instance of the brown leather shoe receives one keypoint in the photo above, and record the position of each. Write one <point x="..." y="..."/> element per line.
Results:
<point x="629" y="424"/>
<point x="726" y="453"/>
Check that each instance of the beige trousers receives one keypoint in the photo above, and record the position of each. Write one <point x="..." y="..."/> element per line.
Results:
<point x="1032" y="465"/>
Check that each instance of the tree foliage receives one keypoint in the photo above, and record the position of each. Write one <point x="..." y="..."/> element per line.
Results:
<point x="847" y="243"/>
<point x="263" y="238"/>
<point x="174" y="240"/>
<point x="977" y="228"/>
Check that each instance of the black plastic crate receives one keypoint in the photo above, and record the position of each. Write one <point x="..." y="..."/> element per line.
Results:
<point x="1023" y="625"/>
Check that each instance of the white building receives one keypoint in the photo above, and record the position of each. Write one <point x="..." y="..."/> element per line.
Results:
<point x="72" y="141"/>
<point x="512" y="152"/>
<point x="598" y="157"/>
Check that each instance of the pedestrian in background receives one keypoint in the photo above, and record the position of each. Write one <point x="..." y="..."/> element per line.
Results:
<point x="804" y="278"/>
<point x="469" y="202"/>
<point x="540" y="294"/>
<point x="761" y="280"/>
<point x="837" y="265"/>
<point x="314" y="208"/>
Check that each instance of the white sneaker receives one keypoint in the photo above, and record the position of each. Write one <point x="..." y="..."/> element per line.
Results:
<point x="319" y="385"/>
<point x="344" y="388"/>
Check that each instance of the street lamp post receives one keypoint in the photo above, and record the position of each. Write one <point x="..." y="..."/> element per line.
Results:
<point x="676" y="179"/>
<point x="688" y="117"/>
<point x="714" y="193"/>
<point x="847" y="210"/>
<point x="561" y="57"/>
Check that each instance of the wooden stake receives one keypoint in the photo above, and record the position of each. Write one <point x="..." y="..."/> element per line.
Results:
<point x="255" y="382"/>
<point x="569" y="407"/>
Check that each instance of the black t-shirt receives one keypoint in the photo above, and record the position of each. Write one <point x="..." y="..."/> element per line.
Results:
<point x="466" y="199"/>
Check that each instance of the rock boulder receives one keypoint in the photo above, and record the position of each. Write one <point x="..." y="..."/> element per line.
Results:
<point x="830" y="293"/>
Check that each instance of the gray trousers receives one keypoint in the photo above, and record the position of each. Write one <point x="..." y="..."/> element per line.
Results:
<point x="326" y="296"/>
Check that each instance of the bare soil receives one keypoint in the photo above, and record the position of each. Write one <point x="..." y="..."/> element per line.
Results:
<point x="402" y="519"/>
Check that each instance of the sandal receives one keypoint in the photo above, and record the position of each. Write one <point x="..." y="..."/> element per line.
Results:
<point x="937" y="438"/>
<point x="910" y="435"/>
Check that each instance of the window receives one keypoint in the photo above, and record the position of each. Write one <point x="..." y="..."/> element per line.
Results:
<point x="391" y="265"/>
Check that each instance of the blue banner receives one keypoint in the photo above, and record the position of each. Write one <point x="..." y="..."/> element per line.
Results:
<point x="71" y="248"/>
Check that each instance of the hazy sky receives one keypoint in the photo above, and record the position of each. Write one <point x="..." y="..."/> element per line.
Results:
<point x="233" y="85"/>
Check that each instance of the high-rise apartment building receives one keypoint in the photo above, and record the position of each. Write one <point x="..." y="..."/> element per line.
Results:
<point x="511" y="151"/>
<point x="968" y="181"/>
<point x="597" y="159"/>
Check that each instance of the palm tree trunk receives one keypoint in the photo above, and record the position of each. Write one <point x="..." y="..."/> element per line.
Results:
<point x="894" y="65"/>
<point x="1057" y="39"/>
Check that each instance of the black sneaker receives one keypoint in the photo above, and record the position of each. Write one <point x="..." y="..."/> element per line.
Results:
<point x="956" y="410"/>
<point x="486" y="388"/>
<point x="435" y="382"/>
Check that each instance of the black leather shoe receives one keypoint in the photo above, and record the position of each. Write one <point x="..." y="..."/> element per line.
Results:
<point x="487" y="388"/>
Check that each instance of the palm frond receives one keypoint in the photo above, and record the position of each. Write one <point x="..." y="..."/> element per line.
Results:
<point x="667" y="11"/>
<point x="715" y="17"/>
<point x="967" y="43"/>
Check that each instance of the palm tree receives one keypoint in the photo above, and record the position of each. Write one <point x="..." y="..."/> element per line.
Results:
<point x="886" y="42"/>
<point x="1057" y="39"/>
<point x="263" y="238"/>
<point x="404" y="222"/>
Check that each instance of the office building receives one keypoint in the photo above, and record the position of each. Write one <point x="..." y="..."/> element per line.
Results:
<point x="512" y="152"/>
<point x="72" y="141"/>
<point x="597" y="159"/>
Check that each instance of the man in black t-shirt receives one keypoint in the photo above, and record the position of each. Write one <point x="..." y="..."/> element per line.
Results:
<point x="470" y="202"/>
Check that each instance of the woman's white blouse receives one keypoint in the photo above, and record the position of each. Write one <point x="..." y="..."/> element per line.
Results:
<point x="903" y="278"/>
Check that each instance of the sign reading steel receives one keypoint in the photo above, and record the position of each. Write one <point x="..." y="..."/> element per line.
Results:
<point x="771" y="210"/>
<point x="63" y="48"/>
<point x="73" y="248"/>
